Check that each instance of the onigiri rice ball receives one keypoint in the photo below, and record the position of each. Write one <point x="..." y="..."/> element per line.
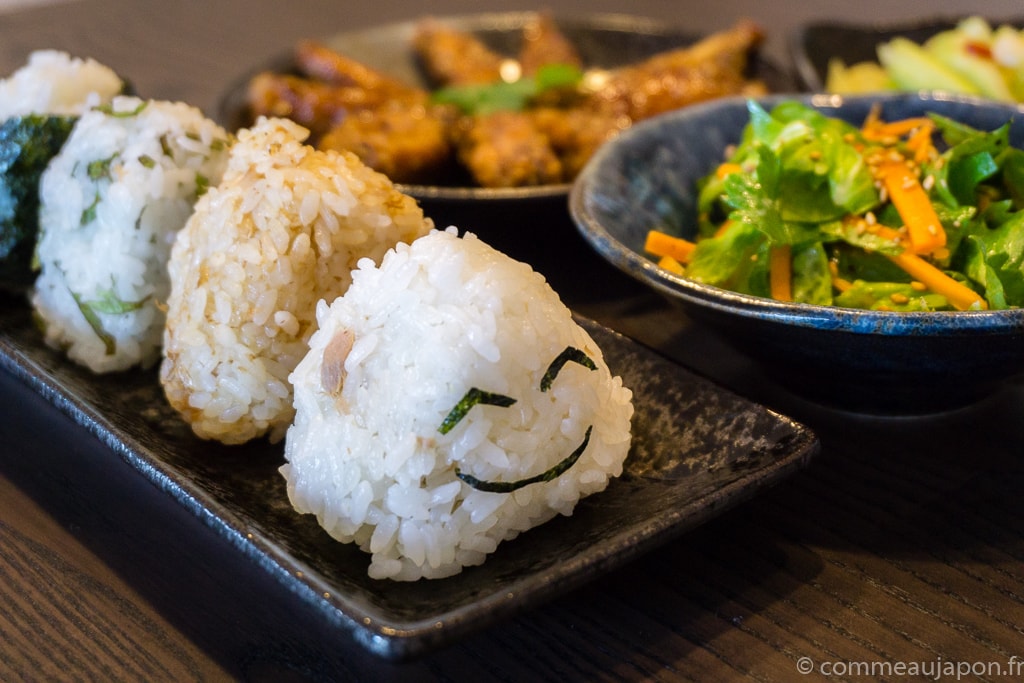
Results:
<point x="39" y="104"/>
<point x="449" y="402"/>
<point x="54" y="82"/>
<point x="110" y="204"/>
<point x="285" y="228"/>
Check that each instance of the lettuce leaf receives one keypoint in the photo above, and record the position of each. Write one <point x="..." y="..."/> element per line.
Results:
<point x="994" y="258"/>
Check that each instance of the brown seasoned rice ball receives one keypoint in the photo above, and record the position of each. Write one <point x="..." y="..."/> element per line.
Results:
<point x="283" y="230"/>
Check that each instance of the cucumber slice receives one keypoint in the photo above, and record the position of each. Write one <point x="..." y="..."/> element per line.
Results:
<point x="952" y="49"/>
<point x="911" y="67"/>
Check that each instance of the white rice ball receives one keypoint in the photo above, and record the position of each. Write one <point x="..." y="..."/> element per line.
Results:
<point x="111" y="203"/>
<point x="54" y="82"/>
<point x="284" y="229"/>
<point x="409" y="342"/>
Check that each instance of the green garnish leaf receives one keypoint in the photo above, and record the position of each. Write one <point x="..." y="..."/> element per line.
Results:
<point x="108" y="303"/>
<point x="548" y="475"/>
<point x="109" y="343"/>
<point x="487" y="98"/>
<point x="108" y="109"/>
<point x="100" y="168"/>
<point x="473" y="397"/>
<point x="89" y="214"/>
<point x="202" y="184"/>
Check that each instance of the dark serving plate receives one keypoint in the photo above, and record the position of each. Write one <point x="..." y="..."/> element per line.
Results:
<point x="697" y="451"/>
<point x="505" y="217"/>
<point x="814" y="44"/>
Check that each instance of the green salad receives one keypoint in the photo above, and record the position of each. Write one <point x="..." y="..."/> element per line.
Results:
<point x="920" y="214"/>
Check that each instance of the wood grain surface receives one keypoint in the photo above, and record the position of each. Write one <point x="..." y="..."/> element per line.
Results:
<point x="900" y="549"/>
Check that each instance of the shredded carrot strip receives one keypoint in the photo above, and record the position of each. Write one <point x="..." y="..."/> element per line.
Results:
<point x="671" y="265"/>
<point x="875" y="129"/>
<point x="662" y="244"/>
<point x="874" y="117"/>
<point x="840" y="283"/>
<point x="915" y="208"/>
<point x="961" y="296"/>
<point x="920" y="142"/>
<point x="727" y="168"/>
<point x="925" y="274"/>
<point x="780" y="272"/>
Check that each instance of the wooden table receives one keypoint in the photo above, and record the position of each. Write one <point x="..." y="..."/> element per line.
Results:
<point x="899" y="550"/>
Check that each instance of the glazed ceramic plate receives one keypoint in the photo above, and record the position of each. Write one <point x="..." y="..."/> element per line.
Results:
<point x="603" y="40"/>
<point x="698" y="450"/>
<point x="813" y="45"/>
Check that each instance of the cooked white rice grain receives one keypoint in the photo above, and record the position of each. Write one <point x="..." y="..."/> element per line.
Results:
<point x="111" y="202"/>
<point x="284" y="229"/>
<point x="389" y="362"/>
<point x="54" y="82"/>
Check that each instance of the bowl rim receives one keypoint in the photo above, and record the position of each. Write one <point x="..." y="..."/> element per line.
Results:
<point x="835" y="318"/>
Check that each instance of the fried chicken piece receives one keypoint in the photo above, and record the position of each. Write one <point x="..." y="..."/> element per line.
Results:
<point x="575" y="134"/>
<point x="319" y="62"/>
<point x="331" y="87"/>
<point x="505" y="149"/>
<point x="407" y="144"/>
<point x="713" y="67"/>
<point x="315" y="105"/>
<point x="453" y="57"/>
<point x="544" y="43"/>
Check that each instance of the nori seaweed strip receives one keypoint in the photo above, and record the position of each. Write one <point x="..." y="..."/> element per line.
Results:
<point x="472" y="397"/>
<point x="570" y="354"/>
<point x="27" y="144"/>
<point x="510" y="486"/>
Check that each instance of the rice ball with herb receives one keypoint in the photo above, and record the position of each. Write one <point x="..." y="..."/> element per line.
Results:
<point x="447" y="403"/>
<point x="284" y="229"/>
<point x="54" y="82"/>
<point x="111" y="202"/>
<point x="39" y="104"/>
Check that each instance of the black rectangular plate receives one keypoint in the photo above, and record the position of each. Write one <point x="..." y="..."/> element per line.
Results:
<point x="697" y="451"/>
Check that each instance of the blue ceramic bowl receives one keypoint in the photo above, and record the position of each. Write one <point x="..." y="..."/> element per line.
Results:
<point x="865" y="361"/>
